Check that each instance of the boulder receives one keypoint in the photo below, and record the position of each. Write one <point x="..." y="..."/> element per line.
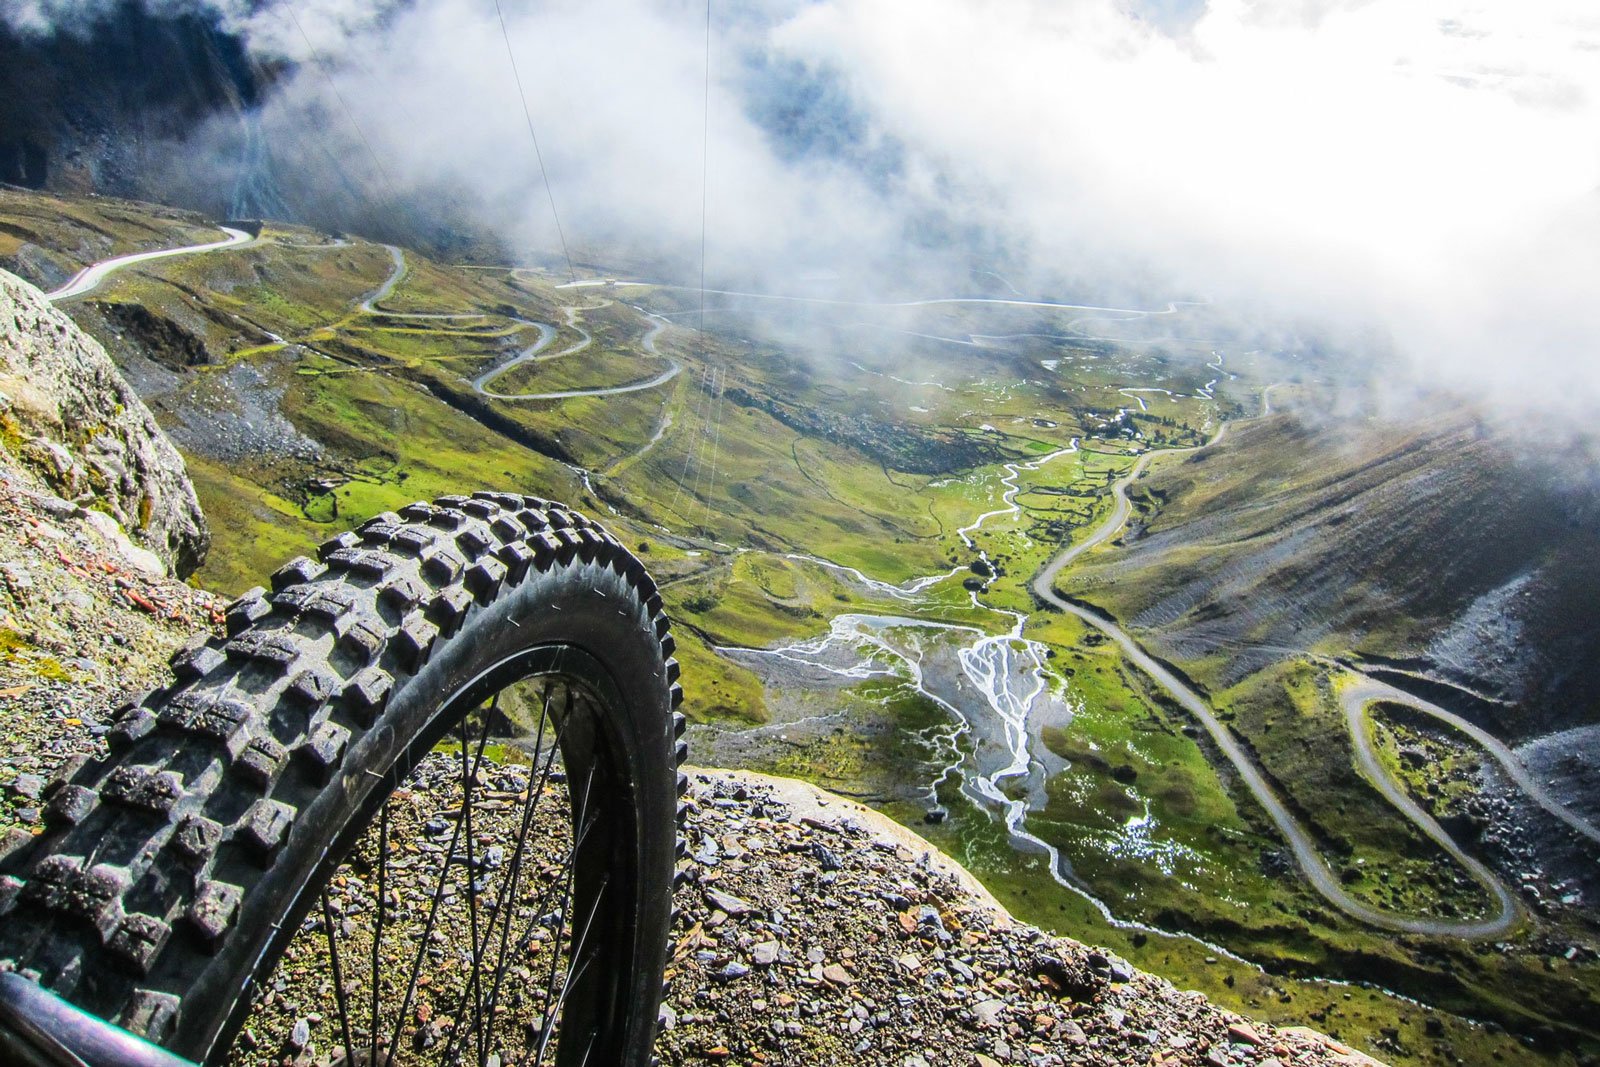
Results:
<point x="68" y="415"/>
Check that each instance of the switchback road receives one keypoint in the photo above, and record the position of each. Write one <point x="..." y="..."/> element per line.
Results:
<point x="1307" y="855"/>
<point x="91" y="277"/>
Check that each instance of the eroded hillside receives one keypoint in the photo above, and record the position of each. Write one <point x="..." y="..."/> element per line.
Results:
<point x="1437" y="544"/>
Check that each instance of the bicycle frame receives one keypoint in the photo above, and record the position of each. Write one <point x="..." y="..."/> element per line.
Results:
<point x="39" y="1029"/>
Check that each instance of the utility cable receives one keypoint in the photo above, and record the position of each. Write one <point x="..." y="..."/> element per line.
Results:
<point x="705" y="157"/>
<point x="716" y="447"/>
<point x="720" y="378"/>
<point x="394" y="198"/>
<point x="527" y="113"/>
<point x="705" y="444"/>
<point x="708" y="375"/>
<point x="702" y="412"/>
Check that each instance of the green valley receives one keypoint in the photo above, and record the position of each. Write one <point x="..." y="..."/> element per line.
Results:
<point x="846" y="511"/>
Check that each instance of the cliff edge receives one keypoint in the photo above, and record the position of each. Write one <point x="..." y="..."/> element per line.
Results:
<point x="68" y="418"/>
<point x="814" y="930"/>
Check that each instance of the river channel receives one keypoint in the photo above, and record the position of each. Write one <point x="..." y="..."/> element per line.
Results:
<point x="991" y="682"/>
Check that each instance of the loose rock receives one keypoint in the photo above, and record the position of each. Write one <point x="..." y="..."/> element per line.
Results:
<point x="867" y="977"/>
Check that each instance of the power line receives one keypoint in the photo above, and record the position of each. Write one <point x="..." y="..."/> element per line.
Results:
<point x="705" y="443"/>
<point x="527" y="113"/>
<point x="394" y="198"/>
<point x="705" y="156"/>
<point x="710" y="408"/>
<point x="716" y="448"/>
<point x="701" y="412"/>
<point x="713" y="413"/>
<point x="719" y="379"/>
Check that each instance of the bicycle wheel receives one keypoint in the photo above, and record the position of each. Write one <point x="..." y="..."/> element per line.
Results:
<point x="502" y="637"/>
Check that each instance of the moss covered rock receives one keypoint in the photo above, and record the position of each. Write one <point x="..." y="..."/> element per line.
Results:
<point x="68" y="415"/>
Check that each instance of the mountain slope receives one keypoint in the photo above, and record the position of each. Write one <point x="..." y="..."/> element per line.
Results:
<point x="91" y="106"/>
<point x="1430" y="543"/>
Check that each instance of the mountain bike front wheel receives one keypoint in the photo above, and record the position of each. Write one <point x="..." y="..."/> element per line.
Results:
<point x="420" y="805"/>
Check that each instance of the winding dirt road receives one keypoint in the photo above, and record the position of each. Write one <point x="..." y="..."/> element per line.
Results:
<point x="1171" y="308"/>
<point x="1506" y="916"/>
<point x="368" y="303"/>
<point x="647" y="342"/>
<point x="1357" y="698"/>
<point x="536" y="353"/>
<point x="90" y="278"/>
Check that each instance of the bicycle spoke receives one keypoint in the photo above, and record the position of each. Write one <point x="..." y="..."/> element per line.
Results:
<point x="555" y="886"/>
<point x="474" y="979"/>
<point x="548" y="1028"/>
<point x="338" y="976"/>
<point x="563" y="876"/>
<point x="572" y="962"/>
<point x="422" y="942"/>
<point x="433" y="910"/>
<point x="449" y="974"/>
<point x="507" y="900"/>
<point x="377" y="936"/>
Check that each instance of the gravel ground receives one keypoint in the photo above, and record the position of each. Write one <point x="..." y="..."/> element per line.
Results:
<point x="236" y="415"/>
<point x="817" y="932"/>
<point x="81" y="625"/>
<point x="295" y="1019"/>
<point x="812" y="932"/>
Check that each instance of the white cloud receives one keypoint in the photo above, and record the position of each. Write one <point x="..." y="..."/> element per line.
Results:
<point x="1429" y="168"/>
<point x="1432" y="168"/>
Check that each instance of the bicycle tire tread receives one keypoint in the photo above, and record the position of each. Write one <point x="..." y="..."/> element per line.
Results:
<point x="149" y="853"/>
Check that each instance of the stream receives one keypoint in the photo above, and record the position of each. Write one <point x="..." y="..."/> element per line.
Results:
<point x="994" y="686"/>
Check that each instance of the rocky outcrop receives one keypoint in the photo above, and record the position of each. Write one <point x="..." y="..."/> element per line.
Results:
<point x="82" y="622"/>
<point x="165" y="340"/>
<point x="813" y="930"/>
<point x="70" y="417"/>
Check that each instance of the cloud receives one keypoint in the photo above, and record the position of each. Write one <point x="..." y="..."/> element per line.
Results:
<point x="617" y="103"/>
<point x="1359" y="163"/>
<point x="1425" y="170"/>
<point x="290" y="30"/>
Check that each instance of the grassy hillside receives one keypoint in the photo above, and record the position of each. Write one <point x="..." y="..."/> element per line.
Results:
<point x="303" y="411"/>
<point x="790" y="447"/>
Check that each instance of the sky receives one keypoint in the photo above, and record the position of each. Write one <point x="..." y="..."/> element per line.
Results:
<point x="1423" y="172"/>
